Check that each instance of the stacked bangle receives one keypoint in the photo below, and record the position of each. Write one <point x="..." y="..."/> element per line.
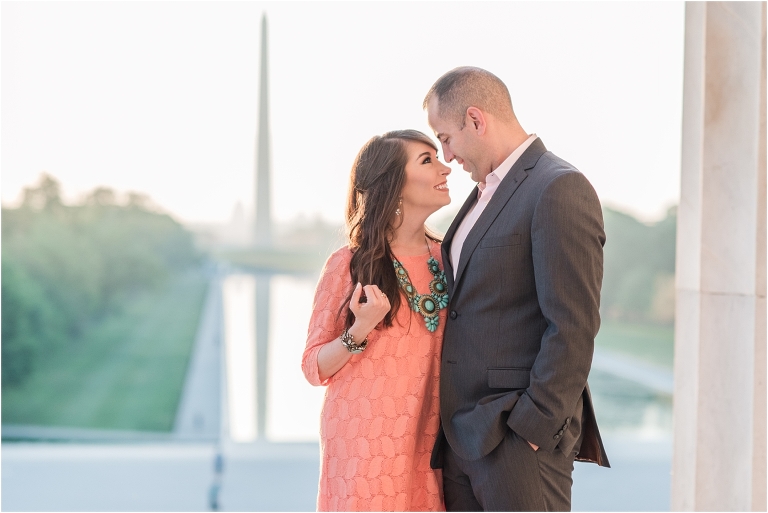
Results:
<point x="346" y="341"/>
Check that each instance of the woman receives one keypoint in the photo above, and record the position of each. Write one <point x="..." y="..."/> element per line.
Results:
<point x="376" y="331"/>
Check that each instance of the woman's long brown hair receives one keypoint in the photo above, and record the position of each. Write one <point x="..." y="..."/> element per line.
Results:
<point x="375" y="186"/>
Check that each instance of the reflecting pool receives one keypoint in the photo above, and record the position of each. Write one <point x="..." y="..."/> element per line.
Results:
<point x="265" y="326"/>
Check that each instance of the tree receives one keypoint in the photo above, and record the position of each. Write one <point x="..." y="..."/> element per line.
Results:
<point x="66" y="265"/>
<point x="639" y="261"/>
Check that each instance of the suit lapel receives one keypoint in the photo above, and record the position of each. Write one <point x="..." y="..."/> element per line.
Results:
<point x="448" y="239"/>
<point x="516" y="175"/>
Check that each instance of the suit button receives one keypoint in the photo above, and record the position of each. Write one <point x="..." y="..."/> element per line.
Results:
<point x="556" y="437"/>
<point x="560" y="432"/>
<point x="454" y="314"/>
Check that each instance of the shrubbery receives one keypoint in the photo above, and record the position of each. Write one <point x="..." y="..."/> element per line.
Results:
<point x="638" y="281"/>
<point x="64" y="266"/>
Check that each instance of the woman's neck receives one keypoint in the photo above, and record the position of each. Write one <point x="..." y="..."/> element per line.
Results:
<point x="409" y="240"/>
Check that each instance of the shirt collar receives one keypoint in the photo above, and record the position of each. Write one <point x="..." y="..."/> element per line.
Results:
<point x="498" y="174"/>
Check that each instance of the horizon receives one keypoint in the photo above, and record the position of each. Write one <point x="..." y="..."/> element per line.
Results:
<point x="241" y="214"/>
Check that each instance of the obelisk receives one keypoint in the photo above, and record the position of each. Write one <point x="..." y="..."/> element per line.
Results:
<point x="263" y="231"/>
<point x="263" y="239"/>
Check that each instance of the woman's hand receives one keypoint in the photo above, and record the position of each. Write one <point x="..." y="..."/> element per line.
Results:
<point x="369" y="314"/>
<point x="333" y="356"/>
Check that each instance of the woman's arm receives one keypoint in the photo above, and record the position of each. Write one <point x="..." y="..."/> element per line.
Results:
<point x="333" y="355"/>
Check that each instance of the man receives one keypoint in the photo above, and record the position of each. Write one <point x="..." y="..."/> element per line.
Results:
<point x="524" y="262"/>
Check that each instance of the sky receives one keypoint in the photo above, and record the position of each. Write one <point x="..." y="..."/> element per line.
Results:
<point x="162" y="97"/>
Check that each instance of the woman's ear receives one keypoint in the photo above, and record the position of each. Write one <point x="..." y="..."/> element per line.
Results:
<point x="477" y="118"/>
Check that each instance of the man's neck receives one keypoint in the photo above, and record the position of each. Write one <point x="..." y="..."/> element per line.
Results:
<point x="509" y="140"/>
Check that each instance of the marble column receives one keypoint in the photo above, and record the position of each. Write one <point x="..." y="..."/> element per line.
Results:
<point x="719" y="460"/>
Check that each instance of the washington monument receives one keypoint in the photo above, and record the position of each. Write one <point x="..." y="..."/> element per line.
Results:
<point x="263" y="230"/>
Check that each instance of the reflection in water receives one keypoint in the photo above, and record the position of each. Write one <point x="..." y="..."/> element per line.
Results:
<point x="266" y="318"/>
<point x="238" y="295"/>
<point x="265" y="324"/>
<point x="293" y="405"/>
<point x="262" y="343"/>
<point x="623" y="406"/>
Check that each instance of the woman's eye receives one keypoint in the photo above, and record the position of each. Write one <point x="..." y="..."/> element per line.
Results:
<point x="427" y="160"/>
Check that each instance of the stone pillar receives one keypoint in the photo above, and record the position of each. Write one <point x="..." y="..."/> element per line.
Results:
<point x="719" y="460"/>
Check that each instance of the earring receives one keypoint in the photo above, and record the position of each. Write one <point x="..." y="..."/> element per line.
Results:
<point x="398" y="211"/>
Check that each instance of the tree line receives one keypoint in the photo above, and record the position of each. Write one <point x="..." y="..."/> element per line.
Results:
<point x="66" y="266"/>
<point x="639" y="268"/>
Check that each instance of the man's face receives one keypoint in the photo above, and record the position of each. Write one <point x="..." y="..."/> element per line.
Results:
<point x="457" y="142"/>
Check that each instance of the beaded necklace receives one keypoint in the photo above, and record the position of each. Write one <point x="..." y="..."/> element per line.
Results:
<point x="428" y="305"/>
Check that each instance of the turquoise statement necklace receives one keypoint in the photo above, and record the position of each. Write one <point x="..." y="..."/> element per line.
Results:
<point x="428" y="305"/>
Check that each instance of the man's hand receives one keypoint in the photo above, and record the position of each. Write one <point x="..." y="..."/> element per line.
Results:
<point x="533" y="446"/>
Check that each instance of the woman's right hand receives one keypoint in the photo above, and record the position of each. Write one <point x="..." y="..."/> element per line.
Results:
<point x="369" y="314"/>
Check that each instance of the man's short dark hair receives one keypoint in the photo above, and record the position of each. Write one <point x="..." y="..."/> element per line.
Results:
<point x="465" y="87"/>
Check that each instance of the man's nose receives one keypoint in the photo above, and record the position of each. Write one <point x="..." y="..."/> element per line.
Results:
<point x="449" y="156"/>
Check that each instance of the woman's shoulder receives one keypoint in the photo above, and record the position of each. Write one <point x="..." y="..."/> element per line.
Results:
<point x="334" y="277"/>
<point x="338" y="260"/>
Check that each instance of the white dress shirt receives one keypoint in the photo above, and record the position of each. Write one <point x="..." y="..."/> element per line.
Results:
<point x="484" y="195"/>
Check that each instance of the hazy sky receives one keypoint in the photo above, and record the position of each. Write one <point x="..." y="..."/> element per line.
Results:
<point x="162" y="98"/>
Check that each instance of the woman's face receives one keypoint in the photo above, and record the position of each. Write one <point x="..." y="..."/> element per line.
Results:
<point x="426" y="188"/>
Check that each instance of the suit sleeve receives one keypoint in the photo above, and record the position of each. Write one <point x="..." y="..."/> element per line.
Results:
<point x="567" y="240"/>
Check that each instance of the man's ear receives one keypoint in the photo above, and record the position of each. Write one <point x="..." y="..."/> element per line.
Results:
<point x="477" y="118"/>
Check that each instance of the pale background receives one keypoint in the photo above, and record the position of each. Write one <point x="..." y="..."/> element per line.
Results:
<point x="162" y="98"/>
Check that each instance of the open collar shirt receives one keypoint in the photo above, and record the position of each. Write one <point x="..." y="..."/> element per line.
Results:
<point x="484" y="194"/>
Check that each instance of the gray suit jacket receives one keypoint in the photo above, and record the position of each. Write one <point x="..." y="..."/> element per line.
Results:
<point x="523" y="315"/>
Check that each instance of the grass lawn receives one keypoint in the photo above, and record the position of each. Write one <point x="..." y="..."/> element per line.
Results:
<point x="126" y="372"/>
<point x="649" y="342"/>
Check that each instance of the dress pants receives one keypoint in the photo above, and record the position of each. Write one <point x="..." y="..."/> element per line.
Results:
<point x="512" y="477"/>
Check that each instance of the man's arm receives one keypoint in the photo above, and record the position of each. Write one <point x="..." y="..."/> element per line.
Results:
<point x="567" y="245"/>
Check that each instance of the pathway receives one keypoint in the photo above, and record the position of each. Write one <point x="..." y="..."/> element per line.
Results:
<point x="199" y="413"/>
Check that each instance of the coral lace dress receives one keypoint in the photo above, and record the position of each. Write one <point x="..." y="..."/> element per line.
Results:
<point x="381" y="410"/>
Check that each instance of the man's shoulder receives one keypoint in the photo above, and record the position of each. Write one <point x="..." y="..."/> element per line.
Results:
<point x="552" y="165"/>
<point x="554" y="177"/>
<point x="550" y="169"/>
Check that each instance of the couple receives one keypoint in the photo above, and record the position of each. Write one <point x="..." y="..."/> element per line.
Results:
<point x="457" y="372"/>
